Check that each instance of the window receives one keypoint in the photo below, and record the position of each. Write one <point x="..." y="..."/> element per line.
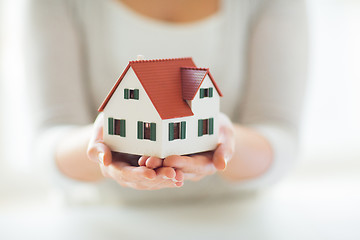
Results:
<point x="205" y="126"/>
<point x="116" y="127"/>
<point x="146" y="130"/>
<point x="131" y="93"/>
<point x="177" y="130"/>
<point x="206" y="92"/>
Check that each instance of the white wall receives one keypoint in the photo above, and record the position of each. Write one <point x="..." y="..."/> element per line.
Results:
<point x="202" y="109"/>
<point x="331" y="129"/>
<point x="132" y="111"/>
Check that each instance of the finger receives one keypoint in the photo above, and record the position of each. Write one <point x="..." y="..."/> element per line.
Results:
<point x="226" y="148"/>
<point x="160" y="182"/>
<point x="98" y="128"/>
<point x="126" y="172"/>
<point x="153" y="162"/>
<point x="97" y="151"/>
<point x="166" y="172"/>
<point x="142" y="160"/>
<point x="100" y="153"/>
<point x="133" y="177"/>
<point x="224" y="151"/>
<point x="165" y="183"/>
<point x="197" y="163"/>
<point x="179" y="177"/>
<point x="165" y="178"/>
<point x="179" y="184"/>
<point x="219" y="159"/>
<point x="193" y="177"/>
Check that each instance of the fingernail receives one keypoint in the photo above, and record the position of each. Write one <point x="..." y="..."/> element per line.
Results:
<point x="101" y="157"/>
<point x="227" y="158"/>
<point x="179" y="184"/>
<point x="150" y="177"/>
<point x="165" y="177"/>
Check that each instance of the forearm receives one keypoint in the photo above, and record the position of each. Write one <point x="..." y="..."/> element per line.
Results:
<point x="71" y="157"/>
<point x="253" y="155"/>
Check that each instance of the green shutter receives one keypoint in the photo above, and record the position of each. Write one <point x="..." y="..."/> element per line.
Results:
<point x="136" y="94"/>
<point x="122" y="128"/>
<point x="153" y="131"/>
<point x="140" y="130"/>
<point x="111" y="126"/>
<point x="202" y="93"/>
<point x="171" y="131"/>
<point x="200" y="127"/>
<point x="211" y="92"/>
<point x="126" y="93"/>
<point x="183" y="130"/>
<point x="211" y="126"/>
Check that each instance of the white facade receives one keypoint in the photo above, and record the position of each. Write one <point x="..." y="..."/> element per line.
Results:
<point x="132" y="111"/>
<point x="203" y="108"/>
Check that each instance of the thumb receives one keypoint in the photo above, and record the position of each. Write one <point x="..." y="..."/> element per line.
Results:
<point x="99" y="153"/>
<point x="221" y="157"/>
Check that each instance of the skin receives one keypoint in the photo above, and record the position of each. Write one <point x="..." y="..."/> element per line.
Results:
<point x="242" y="153"/>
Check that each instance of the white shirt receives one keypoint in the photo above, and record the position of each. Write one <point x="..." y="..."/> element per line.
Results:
<point x="256" y="51"/>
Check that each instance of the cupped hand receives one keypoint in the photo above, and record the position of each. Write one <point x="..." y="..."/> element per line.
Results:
<point x="119" y="166"/>
<point x="197" y="166"/>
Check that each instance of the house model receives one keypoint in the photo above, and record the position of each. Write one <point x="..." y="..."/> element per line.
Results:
<point x="162" y="107"/>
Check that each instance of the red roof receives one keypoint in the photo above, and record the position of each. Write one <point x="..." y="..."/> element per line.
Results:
<point x="192" y="77"/>
<point x="167" y="82"/>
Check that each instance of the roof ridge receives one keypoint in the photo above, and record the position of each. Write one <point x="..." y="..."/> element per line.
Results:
<point x="160" y="60"/>
<point x="195" y="68"/>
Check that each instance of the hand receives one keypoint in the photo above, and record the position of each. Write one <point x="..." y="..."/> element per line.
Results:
<point x="118" y="165"/>
<point x="197" y="166"/>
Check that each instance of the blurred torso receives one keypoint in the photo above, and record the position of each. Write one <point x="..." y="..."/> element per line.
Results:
<point x="175" y="11"/>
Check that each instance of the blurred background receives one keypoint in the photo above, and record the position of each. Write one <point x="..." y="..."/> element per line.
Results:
<point x="320" y="199"/>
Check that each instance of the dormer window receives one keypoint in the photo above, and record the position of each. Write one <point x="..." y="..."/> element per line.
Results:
<point x="206" y="92"/>
<point x="131" y="94"/>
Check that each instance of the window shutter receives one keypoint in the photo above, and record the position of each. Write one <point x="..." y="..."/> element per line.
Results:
<point x="211" y="126"/>
<point x="202" y="93"/>
<point x="200" y="127"/>
<point x="211" y="92"/>
<point x="136" y="94"/>
<point x="140" y="130"/>
<point x="183" y="130"/>
<point x="126" y="93"/>
<point x="171" y="131"/>
<point x="111" y="126"/>
<point x="122" y="128"/>
<point x="153" y="131"/>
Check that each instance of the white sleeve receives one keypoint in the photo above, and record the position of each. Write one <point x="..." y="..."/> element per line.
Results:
<point x="54" y="63"/>
<point x="277" y="75"/>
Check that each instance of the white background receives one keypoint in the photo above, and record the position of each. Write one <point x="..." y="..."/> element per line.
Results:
<point x="319" y="200"/>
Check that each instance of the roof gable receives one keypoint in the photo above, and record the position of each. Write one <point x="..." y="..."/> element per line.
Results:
<point x="161" y="80"/>
<point x="192" y="78"/>
<point x="167" y="82"/>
